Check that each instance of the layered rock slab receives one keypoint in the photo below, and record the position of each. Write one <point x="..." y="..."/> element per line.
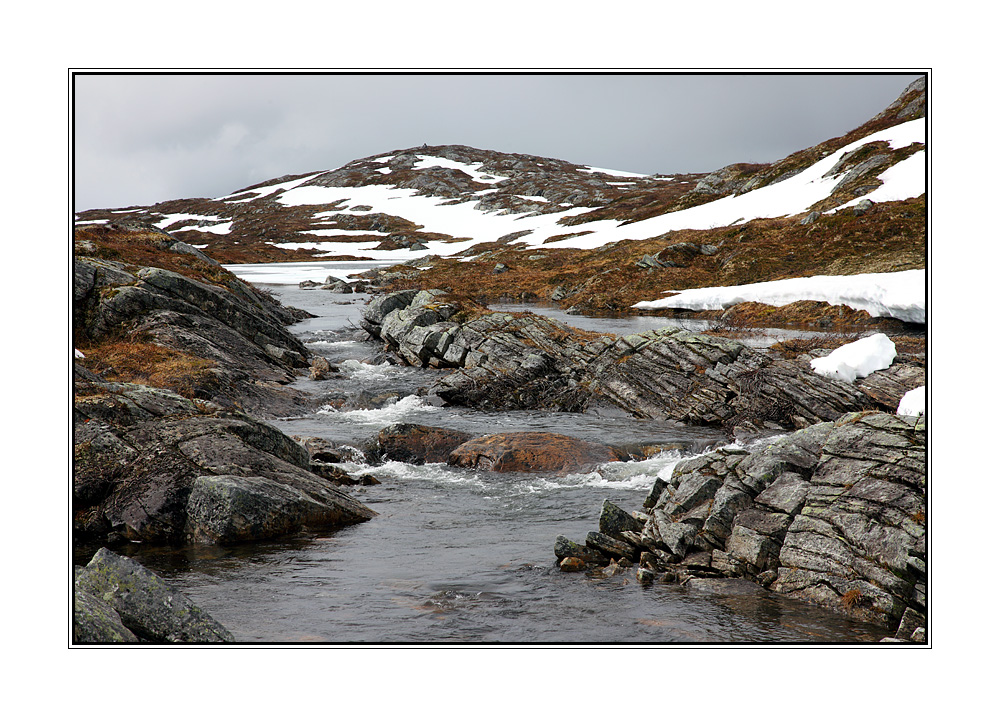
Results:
<point x="511" y="361"/>
<point x="834" y="514"/>
<point x="239" y="332"/>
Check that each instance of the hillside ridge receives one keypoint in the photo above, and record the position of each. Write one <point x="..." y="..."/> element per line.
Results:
<point x="446" y="200"/>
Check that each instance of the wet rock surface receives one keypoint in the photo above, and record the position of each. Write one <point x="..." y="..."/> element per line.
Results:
<point x="412" y="443"/>
<point x="833" y="514"/>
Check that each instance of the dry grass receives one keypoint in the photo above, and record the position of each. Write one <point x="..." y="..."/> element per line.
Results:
<point x="852" y="598"/>
<point x="150" y="364"/>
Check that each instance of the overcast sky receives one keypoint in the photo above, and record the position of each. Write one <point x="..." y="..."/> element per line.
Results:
<point x="141" y="139"/>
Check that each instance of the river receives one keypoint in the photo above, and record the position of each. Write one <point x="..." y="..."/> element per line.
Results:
<point x="456" y="555"/>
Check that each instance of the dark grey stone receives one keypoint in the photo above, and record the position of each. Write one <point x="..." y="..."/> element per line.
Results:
<point x="147" y="605"/>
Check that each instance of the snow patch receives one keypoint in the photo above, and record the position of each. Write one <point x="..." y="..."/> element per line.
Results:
<point x="268" y="189"/>
<point x="857" y="359"/>
<point x="329" y="248"/>
<point x="913" y="403"/>
<point x="901" y="181"/>
<point x="473" y="170"/>
<point x="611" y="172"/>
<point x="220" y="226"/>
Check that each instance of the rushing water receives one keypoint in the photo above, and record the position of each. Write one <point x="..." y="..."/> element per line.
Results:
<point x="457" y="555"/>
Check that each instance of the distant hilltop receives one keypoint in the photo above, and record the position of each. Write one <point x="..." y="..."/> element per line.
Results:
<point x="453" y="200"/>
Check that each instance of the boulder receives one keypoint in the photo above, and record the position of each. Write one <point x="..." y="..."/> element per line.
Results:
<point x="572" y="565"/>
<point x="337" y="286"/>
<point x="319" y="367"/>
<point x="863" y="207"/>
<point x="146" y="606"/>
<point x="530" y="452"/>
<point x="615" y="549"/>
<point x="96" y="621"/>
<point x="153" y="466"/>
<point x="614" y="521"/>
<point x="227" y="509"/>
<point x="412" y="443"/>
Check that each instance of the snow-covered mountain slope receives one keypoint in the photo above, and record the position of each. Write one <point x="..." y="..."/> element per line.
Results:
<point x="448" y="200"/>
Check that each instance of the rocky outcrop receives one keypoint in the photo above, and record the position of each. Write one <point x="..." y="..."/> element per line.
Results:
<point x="886" y="388"/>
<point x="238" y="333"/>
<point x="705" y="380"/>
<point x="506" y="360"/>
<point x="156" y="467"/>
<point x="509" y="361"/>
<point x="117" y="600"/>
<point x="834" y="514"/>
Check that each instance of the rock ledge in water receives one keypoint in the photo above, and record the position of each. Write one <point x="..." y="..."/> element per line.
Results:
<point x="517" y="361"/>
<point x="833" y="514"/>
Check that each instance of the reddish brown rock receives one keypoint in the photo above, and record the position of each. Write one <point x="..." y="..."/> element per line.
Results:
<point x="528" y="451"/>
<point x="413" y="443"/>
<point x="572" y="565"/>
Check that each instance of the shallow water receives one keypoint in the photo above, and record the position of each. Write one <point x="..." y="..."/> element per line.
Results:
<point x="457" y="555"/>
<point x="624" y="325"/>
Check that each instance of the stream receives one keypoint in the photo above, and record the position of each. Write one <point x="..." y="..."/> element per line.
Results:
<point x="458" y="555"/>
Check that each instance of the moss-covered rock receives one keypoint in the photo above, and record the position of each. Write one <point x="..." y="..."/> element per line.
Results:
<point x="147" y="607"/>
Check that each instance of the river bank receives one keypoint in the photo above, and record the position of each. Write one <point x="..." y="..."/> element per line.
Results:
<point x="356" y="395"/>
<point x="460" y="556"/>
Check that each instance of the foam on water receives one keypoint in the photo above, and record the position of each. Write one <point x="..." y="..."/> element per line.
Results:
<point x="630" y="475"/>
<point x="440" y="473"/>
<point x="405" y="410"/>
<point x="321" y="342"/>
<point x="370" y="373"/>
<point x="627" y="475"/>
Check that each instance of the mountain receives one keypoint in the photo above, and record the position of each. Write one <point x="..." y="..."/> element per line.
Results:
<point x="448" y="205"/>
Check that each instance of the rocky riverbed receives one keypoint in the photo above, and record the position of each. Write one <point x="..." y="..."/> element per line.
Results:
<point x="832" y="512"/>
